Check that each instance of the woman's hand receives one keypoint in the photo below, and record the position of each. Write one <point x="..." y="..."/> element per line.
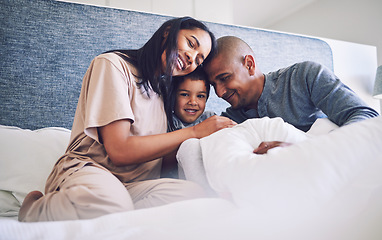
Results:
<point x="265" y="146"/>
<point x="211" y="125"/>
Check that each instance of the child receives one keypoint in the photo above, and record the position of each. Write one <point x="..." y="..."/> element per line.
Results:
<point x="189" y="99"/>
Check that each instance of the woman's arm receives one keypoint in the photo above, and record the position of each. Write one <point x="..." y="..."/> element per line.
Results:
<point x="124" y="149"/>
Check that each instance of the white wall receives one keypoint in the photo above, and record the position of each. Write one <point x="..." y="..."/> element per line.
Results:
<point x="356" y="21"/>
<point x="355" y="64"/>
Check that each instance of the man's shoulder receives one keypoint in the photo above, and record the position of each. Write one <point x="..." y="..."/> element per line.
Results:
<point x="298" y="65"/>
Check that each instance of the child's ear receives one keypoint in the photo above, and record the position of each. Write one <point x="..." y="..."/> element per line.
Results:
<point x="249" y="63"/>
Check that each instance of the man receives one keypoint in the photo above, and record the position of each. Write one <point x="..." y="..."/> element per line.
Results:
<point x="299" y="94"/>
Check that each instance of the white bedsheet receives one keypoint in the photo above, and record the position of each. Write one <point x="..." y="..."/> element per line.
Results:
<point x="326" y="181"/>
<point x="299" y="180"/>
<point x="325" y="187"/>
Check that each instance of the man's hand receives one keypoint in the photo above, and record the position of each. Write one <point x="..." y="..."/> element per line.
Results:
<point x="265" y="146"/>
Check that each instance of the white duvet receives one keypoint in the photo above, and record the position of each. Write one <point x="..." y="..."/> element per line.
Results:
<point x="301" y="177"/>
<point x="330" y="182"/>
<point x="322" y="187"/>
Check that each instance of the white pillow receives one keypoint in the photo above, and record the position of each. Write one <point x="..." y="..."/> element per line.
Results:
<point x="298" y="179"/>
<point x="27" y="158"/>
<point x="322" y="126"/>
<point x="190" y="161"/>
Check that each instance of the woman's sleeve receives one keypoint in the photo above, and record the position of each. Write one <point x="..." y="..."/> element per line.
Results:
<point x="107" y="96"/>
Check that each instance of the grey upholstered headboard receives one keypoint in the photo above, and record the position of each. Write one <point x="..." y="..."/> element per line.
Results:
<point x="46" y="47"/>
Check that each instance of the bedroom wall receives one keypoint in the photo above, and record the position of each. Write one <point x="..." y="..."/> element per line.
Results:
<point x="348" y="20"/>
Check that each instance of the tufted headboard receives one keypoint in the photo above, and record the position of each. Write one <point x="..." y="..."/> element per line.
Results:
<point x="46" y="47"/>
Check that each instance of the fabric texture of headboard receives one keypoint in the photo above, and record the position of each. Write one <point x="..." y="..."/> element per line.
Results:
<point x="47" y="46"/>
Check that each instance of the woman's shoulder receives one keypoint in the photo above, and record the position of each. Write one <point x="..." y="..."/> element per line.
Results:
<point x="113" y="58"/>
<point x="116" y="60"/>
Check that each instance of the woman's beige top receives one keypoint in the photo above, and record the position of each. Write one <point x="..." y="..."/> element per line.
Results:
<point x="109" y="93"/>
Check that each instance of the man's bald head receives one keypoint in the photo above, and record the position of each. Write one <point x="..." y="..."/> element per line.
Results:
<point x="233" y="73"/>
<point x="233" y="48"/>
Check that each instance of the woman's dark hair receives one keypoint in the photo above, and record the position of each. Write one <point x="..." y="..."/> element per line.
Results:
<point x="147" y="59"/>
<point x="198" y="74"/>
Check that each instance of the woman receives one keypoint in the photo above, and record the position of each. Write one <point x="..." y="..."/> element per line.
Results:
<point x="119" y="131"/>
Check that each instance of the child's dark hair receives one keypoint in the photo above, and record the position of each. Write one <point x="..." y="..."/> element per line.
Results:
<point x="198" y="74"/>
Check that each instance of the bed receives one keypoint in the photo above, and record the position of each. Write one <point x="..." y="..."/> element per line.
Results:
<point x="327" y="185"/>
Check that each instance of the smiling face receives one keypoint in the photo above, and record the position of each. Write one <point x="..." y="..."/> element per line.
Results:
<point x="194" y="45"/>
<point x="234" y="74"/>
<point x="231" y="81"/>
<point x="190" y="101"/>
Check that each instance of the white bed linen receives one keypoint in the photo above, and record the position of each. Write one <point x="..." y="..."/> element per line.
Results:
<point x="296" y="180"/>
<point x="26" y="159"/>
<point x="166" y="222"/>
<point x="189" y="155"/>
<point x="330" y="182"/>
<point x="325" y="187"/>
